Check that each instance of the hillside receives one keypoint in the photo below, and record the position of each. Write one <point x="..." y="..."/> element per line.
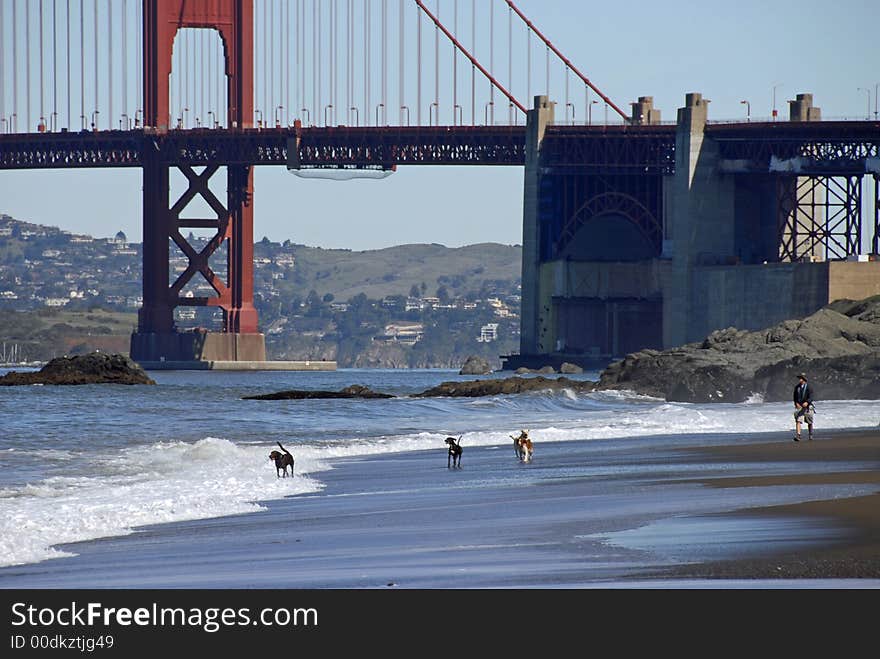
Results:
<point x="395" y="270"/>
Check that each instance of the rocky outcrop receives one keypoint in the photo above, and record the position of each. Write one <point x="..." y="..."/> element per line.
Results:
<point x="570" y="369"/>
<point x="544" y="370"/>
<point x="511" y="385"/>
<point x="475" y="365"/>
<point x="838" y="347"/>
<point x="352" y="391"/>
<point x="94" y="368"/>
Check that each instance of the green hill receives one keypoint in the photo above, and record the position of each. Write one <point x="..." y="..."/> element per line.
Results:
<point x="395" y="270"/>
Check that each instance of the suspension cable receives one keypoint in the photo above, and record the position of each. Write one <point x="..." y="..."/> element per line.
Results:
<point x="3" y="127"/>
<point x="125" y="62"/>
<point x="384" y="61"/>
<point x="368" y="19"/>
<point x="401" y="52"/>
<point x="42" y="85"/>
<point x="436" y="70"/>
<point x="82" y="66"/>
<point x="285" y="7"/>
<point x="455" y="65"/>
<point x="492" y="59"/>
<point x="473" y="65"/>
<point x="54" y="65"/>
<point x="14" y="66"/>
<point x="419" y="70"/>
<point x="110" y="64"/>
<point x="95" y="21"/>
<point x="27" y="59"/>
<point x="138" y="60"/>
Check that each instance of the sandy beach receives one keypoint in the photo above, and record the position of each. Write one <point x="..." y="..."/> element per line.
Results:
<point x="692" y="511"/>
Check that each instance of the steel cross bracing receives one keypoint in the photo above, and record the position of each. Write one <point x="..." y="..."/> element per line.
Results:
<point x="319" y="147"/>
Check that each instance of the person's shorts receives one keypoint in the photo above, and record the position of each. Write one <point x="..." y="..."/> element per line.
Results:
<point x="805" y="415"/>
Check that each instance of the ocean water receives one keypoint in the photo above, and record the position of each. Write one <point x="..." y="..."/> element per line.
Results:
<point x="85" y="462"/>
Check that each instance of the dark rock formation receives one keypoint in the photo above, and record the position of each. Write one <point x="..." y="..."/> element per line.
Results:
<point x="511" y="385"/>
<point x="94" y="368"/>
<point x="352" y="391"/>
<point x="475" y="365"/>
<point x="838" y="347"/>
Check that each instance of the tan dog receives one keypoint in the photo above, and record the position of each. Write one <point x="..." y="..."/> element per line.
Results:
<point x="523" y="446"/>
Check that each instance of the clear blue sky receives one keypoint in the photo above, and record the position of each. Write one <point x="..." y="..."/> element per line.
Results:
<point x="728" y="51"/>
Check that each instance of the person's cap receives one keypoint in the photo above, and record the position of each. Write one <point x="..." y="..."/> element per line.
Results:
<point x="801" y="376"/>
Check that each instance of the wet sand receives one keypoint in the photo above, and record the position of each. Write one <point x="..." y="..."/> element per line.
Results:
<point x="711" y="511"/>
<point x="846" y="457"/>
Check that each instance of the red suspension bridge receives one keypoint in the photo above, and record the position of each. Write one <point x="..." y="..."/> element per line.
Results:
<point x="212" y="88"/>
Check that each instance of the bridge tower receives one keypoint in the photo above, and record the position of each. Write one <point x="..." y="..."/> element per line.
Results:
<point x="156" y="338"/>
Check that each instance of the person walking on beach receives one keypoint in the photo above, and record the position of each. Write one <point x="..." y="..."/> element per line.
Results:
<point x="803" y="403"/>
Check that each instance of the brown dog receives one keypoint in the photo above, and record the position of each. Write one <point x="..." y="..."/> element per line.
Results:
<point x="282" y="461"/>
<point x="523" y="446"/>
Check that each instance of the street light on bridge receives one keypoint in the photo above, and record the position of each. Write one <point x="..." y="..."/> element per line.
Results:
<point x="868" y="92"/>
<point x="590" y="111"/>
<point x="775" y="113"/>
<point x="748" y="110"/>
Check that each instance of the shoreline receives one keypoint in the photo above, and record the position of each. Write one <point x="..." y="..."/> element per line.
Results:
<point x="855" y="557"/>
<point x="560" y="522"/>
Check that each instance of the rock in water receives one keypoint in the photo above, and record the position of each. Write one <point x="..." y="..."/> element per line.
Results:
<point x="475" y="365"/>
<point x="94" y="368"/>
<point x="352" y="391"/>
<point x="838" y="347"/>
<point x="570" y="369"/>
<point x="511" y="385"/>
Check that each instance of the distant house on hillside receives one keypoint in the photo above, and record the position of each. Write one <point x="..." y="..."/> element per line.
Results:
<point x="488" y="333"/>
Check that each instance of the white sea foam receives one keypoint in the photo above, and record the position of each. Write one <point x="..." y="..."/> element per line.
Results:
<point x="114" y="492"/>
<point x="163" y="482"/>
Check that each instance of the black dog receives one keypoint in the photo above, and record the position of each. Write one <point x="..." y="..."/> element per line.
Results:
<point x="282" y="461"/>
<point x="453" y="457"/>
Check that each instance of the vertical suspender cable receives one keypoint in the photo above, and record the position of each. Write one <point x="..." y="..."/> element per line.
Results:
<point x="3" y="126"/>
<point x="314" y="117"/>
<point x="473" y="66"/>
<point x="271" y="106"/>
<point x="95" y="55"/>
<point x="529" y="65"/>
<point x="125" y="62"/>
<point x="82" y="65"/>
<point x="319" y="56"/>
<point x="54" y="65"/>
<point x="437" y="69"/>
<point x="349" y="19"/>
<point x="177" y="67"/>
<point x="332" y="40"/>
<point x="42" y="85"/>
<point x="455" y="65"/>
<point x="204" y="57"/>
<point x="511" y="116"/>
<point x="548" y="72"/>
<point x="384" y="60"/>
<point x="14" y="67"/>
<point x="492" y="61"/>
<point x="285" y="8"/>
<point x="67" y="42"/>
<point x="419" y="70"/>
<point x="213" y="109"/>
<point x="368" y="17"/>
<point x="400" y="52"/>
<point x="265" y="64"/>
<point x="27" y="61"/>
<point x="138" y="61"/>
<point x="110" y="64"/>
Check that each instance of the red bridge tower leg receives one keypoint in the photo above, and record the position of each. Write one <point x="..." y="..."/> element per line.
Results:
<point x="156" y="338"/>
